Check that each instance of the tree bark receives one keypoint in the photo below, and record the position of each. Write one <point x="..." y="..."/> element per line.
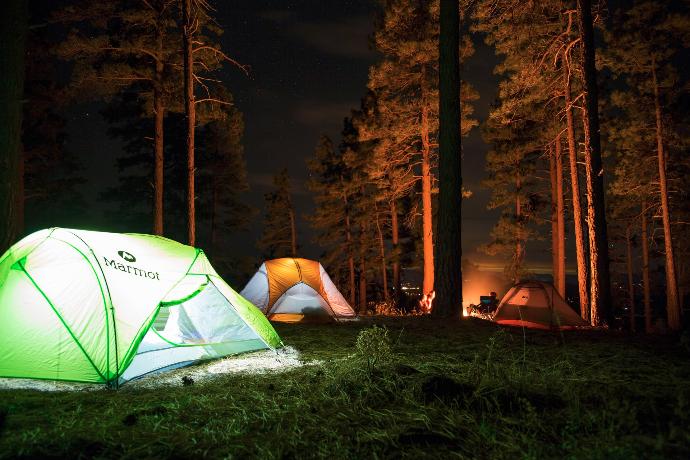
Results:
<point x="672" y="304"/>
<point x="350" y="248"/>
<point x="449" y="228"/>
<point x="580" y="249"/>
<point x="382" y="253"/>
<point x="427" y="219"/>
<point x="13" y="29"/>
<point x="362" y="285"/>
<point x="600" y="289"/>
<point x="631" y="285"/>
<point x="555" y="266"/>
<point x="560" y="218"/>
<point x="395" y="237"/>
<point x="189" y="104"/>
<point x="158" y="141"/>
<point x="648" y="328"/>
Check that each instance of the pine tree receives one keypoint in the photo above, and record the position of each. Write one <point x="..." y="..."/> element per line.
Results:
<point x="581" y="242"/>
<point x="127" y="53"/>
<point x="557" y="215"/>
<point x="279" y="238"/>
<point x="189" y="27"/>
<point x="523" y="126"/>
<point x="389" y="170"/>
<point x="330" y="185"/>
<point x="47" y="193"/>
<point x="600" y="282"/>
<point x="405" y="84"/>
<point x="126" y="47"/>
<point x="198" y="48"/>
<point x="511" y="166"/>
<point x="642" y="50"/>
<point x="223" y="180"/>
<point x="367" y="216"/>
<point x="449" y="248"/>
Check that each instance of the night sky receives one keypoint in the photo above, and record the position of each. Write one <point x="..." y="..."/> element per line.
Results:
<point x="309" y="61"/>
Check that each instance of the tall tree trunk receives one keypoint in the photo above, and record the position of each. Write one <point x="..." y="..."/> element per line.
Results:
<point x="631" y="285"/>
<point x="560" y="218"/>
<point x="600" y="288"/>
<point x="351" y="263"/>
<point x="449" y="229"/>
<point x="13" y="28"/>
<point x="427" y="222"/>
<point x="518" y="228"/>
<point x="395" y="237"/>
<point x="555" y="266"/>
<point x="648" y="328"/>
<point x="158" y="141"/>
<point x="293" y="232"/>
<point x="362" y="285"/>
<point x="580" y="249"/>
<point x="350" y="248"/>
<point x="189" y="26"/>
<point x="672" y="304"/>
<point x="382" y="253"/>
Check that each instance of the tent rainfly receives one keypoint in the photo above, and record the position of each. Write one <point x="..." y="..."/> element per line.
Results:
<point x="536" y="305"/>
<point x="293" y="290"/>
<point x="105" y="307"/>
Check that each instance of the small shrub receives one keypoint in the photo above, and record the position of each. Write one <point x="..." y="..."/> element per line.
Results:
<point x="374" y="346"/>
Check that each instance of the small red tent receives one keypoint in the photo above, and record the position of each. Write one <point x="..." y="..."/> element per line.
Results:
<point x="536" y="305"/>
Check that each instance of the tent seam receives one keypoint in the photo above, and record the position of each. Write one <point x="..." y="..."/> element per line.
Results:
<point x="52" y="307"/>
<point x="105" y="303"/>
<point x="112" y="307"/>
<point x="32" y="250"/>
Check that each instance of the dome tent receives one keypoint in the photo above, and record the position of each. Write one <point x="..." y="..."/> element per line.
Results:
<point x="104" y="307"/>
<point x="292" y="290"/>
<point x="536" y="305"/>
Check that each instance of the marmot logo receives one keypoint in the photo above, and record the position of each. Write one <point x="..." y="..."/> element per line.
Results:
<point x="127" y="256"/>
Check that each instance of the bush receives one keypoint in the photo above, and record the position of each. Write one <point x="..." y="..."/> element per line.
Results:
<point x="373" y="346"/>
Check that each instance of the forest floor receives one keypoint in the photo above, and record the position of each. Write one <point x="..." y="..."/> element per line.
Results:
<point x="414" y="388"/>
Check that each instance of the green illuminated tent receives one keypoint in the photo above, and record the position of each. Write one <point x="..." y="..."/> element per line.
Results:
<point x="105" y="307"/>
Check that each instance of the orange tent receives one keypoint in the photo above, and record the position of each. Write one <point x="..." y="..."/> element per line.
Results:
<point x="293" y="289"/>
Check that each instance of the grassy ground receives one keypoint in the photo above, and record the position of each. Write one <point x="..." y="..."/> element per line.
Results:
<point x="417" y="388"/>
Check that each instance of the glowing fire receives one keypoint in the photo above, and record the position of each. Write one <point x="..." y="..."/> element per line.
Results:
<point x="426" y="302"/>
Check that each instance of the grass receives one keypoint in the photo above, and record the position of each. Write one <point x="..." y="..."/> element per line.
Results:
<point x="410" y="387"/>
